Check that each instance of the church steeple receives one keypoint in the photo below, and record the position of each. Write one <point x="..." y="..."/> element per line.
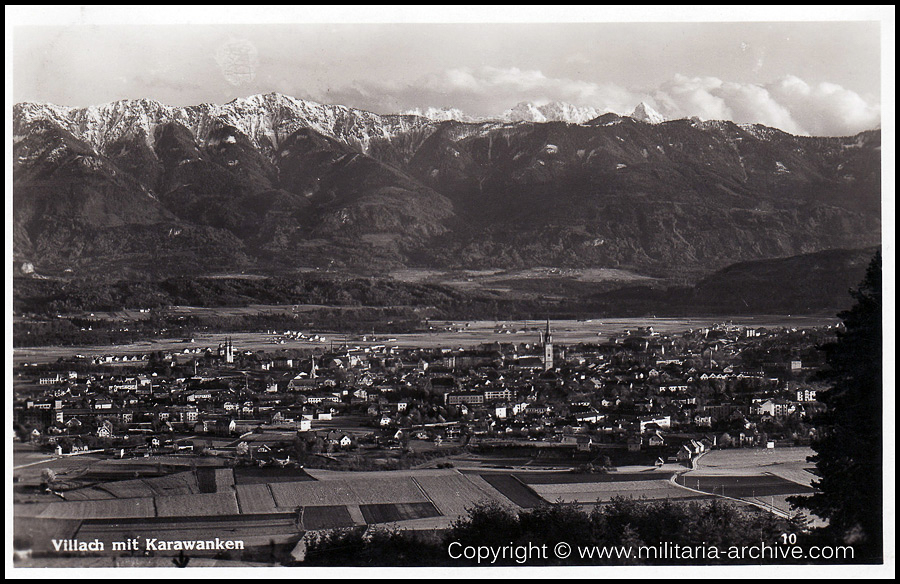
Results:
<point x="229" y="350"/>
<point x="548" y="348"/>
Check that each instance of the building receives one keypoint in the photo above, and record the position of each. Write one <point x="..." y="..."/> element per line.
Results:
<point x="500" y="394"/>
<point x="663" y="422"/>
<point x="472" y="397"/>
<point x="547" y="342"/>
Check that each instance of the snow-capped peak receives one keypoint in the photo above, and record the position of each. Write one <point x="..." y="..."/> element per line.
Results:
<point x="555" y="111"/>
<point x="645" y="113"/>
<point x="265" y="119"/>
<point x="443" y="114"/>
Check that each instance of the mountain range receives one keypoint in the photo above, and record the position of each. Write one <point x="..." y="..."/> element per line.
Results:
<point x="272" y="184"/>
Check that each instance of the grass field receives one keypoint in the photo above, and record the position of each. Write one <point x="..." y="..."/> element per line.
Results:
<point x="389" y="512"/>
<point x="513" y="489"/>
<point x="106" y="509"/>
<point x="201" y="504"/>
<point x="250" y="475"/>
<point x="742" y="486"/>
<point x="653" y="490"/>
<point x="461" y="334"/>
<point x="453" y="495"/>
<point x="346" y="492"/>
<point x="325" y="517"/>
<point x="256" y="498"/>
<point x="560" y="478"/>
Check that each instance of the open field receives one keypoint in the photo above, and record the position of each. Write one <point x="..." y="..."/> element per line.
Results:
<point x="742" y="486"/>
<point x="251" y="475"/>
<point x="445" y="334"/>
<point x="563" y="478"/>
<point x="325" y="517"/>
<point x="514" y="490"/>
<point x="453" y="495"/>
<point x="788" y="463"/>
<point x="105" y="509"/>
<point x="357" y="492"/>
<point x="509" y="280"/>
<point x="743" y="458"/>
<point x="653" y="490"/>
<point x="389" y="512"/>
<point x="199" y="505"/>
<point x="256" y="498"/>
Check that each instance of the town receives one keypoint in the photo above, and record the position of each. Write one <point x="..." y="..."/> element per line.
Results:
<point x="669" y="395"/>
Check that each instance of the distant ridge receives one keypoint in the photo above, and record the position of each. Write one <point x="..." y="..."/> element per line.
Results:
<point x="272" y="182"/>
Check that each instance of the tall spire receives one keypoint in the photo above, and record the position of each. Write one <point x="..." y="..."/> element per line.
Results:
<point x="548" y="347"/>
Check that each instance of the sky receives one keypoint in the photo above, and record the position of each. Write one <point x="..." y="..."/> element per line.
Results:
<point x="813" y="78"/>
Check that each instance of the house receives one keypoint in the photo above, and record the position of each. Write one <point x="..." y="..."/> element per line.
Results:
<point x="684" y="453"/>
<point x="775" y="408"/>
<point x="634" y="443"/>
<point x="105" y="430"/>
<point x="302" y="382"/>
<point x="655" y="440"/>
<point x="806" y="395"/>
<point x="663" y="422"/>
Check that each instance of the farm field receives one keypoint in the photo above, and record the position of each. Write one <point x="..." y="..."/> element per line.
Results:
<point x="788" y="463"/>
<point x="204" y="480"/>
<point x="390" y="512"/>
<point x="742" y="458"/>
<point x="513" y="489"/>
<point x="104" y="509"/>
<point x="742" y="486"/>
<point x="453" y="495"/>
<point x="446" y="334"/>
<point x="558" y="478"/>
<point x="251" y="475"/>
<point x="198" y="505"/>
<point x="339" y="475"/>
<point x="357" y="492"/>
<point x="325" y="517"/>
<point x="653" y="490"/>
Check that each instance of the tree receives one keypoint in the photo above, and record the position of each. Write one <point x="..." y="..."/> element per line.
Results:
<point x="848" y="455"/>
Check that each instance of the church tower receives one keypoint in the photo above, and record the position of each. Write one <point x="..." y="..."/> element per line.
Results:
<point x="229" y="351"/>
<point x="548" y="348"/>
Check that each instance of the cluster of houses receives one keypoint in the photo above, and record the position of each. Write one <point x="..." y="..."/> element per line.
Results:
<point x="635" y="390"/>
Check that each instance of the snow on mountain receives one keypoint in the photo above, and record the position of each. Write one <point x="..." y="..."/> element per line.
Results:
<point x="555" y="111"/>
<point x="264" y="119"/>
<point x="443" y="114"/>
<point x="645" y="113"/>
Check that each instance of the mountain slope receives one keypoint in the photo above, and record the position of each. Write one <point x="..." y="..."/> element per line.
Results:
<point x="274" y="183"/>
<point x="810" y="283"/>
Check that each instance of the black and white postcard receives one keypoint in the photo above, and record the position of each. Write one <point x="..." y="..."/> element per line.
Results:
<point x="407" y="291"/>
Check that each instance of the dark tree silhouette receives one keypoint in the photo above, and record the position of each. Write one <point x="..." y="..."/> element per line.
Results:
<point x="849" y="452"/>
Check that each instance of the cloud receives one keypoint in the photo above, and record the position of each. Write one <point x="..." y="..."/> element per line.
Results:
<point x="491" y="90"/>
<point x="790" y="104"/>
<point x="826" y="108"/>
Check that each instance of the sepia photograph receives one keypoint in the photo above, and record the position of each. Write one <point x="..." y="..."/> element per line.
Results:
<point x="406" y="292"/>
